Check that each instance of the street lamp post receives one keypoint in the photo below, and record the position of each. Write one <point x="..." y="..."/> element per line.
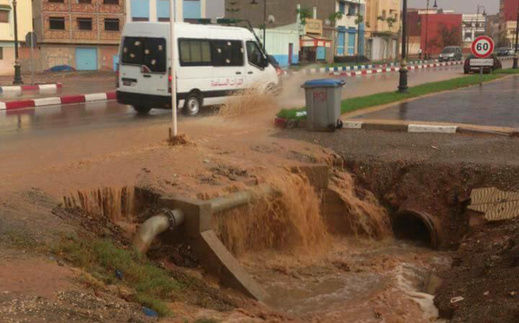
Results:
<point x="264" y="22"/>
<point x="402" y="86"/>
<point x="477" y="18"/>
<point x="17" y="74"/>
<point x="516" y="58"/>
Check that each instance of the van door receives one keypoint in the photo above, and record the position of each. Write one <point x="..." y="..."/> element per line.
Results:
<point x="143" y="67"/>
<point x="229" y="73"/>
<point x="255" y="65"/>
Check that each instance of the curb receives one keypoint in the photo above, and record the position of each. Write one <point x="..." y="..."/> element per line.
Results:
<point x="395" y="69"/>
<point x="329" y="69"/>
<point x="409" y="128"/>
<point x="37" y="87"/>
<point x="36" y="103"/>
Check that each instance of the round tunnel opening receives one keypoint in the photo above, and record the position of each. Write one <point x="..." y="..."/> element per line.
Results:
<point x="412" y="226"/>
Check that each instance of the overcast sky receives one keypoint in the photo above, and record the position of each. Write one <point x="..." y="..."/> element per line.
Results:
<point x="461" y="6"/>
<point x="215" y="7"/>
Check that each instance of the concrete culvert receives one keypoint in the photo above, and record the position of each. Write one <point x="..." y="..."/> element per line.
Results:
<point x="415" y="226"/>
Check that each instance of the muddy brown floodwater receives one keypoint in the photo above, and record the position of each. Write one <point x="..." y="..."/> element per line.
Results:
<point x="317" y="275"/>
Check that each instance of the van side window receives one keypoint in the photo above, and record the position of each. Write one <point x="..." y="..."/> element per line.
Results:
<point x="254" y="54"/>
<point x="195" y="52"/>
<point x="150" y="52"/>
<point x="227" y="52"/>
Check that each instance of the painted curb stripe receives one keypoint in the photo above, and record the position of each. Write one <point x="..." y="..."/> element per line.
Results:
<point x="352" y="124"/>
<point x="31" y="87"/>
<point x="47" y="101"/>
<point x="94" y="97"/>
<point x="431" y="129"/>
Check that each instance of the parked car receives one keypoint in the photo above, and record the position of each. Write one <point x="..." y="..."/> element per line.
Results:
<point x="467" y="67"/>
<point x="502" y="51"/>
<point x="451" y="53"/>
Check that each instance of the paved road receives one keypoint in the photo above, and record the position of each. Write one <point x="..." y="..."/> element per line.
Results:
<point x="76" y="117"/>
<point x="493" y="104"/>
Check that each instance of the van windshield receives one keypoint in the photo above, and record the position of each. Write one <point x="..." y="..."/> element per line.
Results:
<point x="150" y="52"/>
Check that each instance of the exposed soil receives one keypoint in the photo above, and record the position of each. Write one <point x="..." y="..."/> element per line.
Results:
<point x="484" y="276"/>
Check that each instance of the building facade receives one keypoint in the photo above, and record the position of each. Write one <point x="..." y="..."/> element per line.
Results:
<point x="158" y="10"/>
<point x="508" y="13"/>
<point x="24" y="18"/>
<point x="339" y="25"/>
<point x="84" y="34"/>
<point x="473" y="26"/>
<point x="383" y="24"/>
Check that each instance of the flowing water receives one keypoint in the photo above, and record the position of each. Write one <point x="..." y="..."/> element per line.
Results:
<point x="115" y="204"/>
<point x="310" y="273"/>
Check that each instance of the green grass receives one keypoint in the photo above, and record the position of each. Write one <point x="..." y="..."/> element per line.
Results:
<point x="358" y="103"/>
<point x="153" y="287"/>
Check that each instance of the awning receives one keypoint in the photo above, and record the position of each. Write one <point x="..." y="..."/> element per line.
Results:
<point x="313" y="41"/>
<point x="5" y="7"/>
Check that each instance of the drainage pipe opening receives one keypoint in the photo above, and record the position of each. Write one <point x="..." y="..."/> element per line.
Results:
<point x="415" y="226"/>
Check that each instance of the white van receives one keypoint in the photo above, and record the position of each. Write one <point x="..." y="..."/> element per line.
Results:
<point x="213" y="62"/>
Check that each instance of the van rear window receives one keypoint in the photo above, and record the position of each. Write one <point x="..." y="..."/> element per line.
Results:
<point x="150" y="52"/>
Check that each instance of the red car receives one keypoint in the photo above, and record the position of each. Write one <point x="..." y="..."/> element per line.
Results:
<point x="467" y="68"/>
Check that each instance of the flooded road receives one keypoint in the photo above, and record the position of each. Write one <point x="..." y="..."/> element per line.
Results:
<point x="356" y="281"/>
<point x="92" y="116"/>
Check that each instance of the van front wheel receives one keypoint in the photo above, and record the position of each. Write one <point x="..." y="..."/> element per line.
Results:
<point x="141" y="109"/>
<point x="192" y="104"/>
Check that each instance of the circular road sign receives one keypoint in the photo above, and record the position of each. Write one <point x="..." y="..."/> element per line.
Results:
<point x="482" y="47"/>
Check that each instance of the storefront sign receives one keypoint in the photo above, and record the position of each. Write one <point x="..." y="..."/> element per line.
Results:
<point x="314" y="26"/>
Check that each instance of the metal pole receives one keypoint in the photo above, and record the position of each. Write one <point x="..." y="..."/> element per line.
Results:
<point x="402" y="87"/>
<point x="17" y="74"/>
<point x="426" y="30"/>
<point x="32" y="58"/>
<point x="172" y="19"/>
<point x="265" y="25"/>
<point x="516" y="58"/>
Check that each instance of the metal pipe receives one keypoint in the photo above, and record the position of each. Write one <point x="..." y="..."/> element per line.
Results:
<point x="234" y="200"/>
<point x="152" y="227"/>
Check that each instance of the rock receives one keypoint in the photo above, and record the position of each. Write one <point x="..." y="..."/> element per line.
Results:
<point x="432" y="283"/>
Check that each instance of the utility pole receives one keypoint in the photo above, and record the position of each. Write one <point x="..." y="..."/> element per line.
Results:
<point x="17" y="74"/>
<point x="516" y="58"/>
<point x="402" y="87"/>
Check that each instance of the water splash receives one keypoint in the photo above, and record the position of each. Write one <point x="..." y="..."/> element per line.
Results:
<point x="363" y="213"/>
<point x="289" y="221"/>
<point x="116" y="204"/>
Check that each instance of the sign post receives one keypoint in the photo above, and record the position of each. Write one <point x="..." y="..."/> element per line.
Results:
<point x="31" y="40"/>
<point x="173" y="11"/>
<point x="482" y="47"/>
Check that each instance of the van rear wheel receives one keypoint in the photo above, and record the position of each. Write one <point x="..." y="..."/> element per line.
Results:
<point x="141" y="109"/>
<point x="192" y="104"/>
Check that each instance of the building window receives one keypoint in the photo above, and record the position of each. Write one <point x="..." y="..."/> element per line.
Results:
<point x="342" y="7"/>
<point x="112" y="24"/>
<point x="84" y="1"/>
<point x="140" y="19"/>
<point x="58" y="1"/>
<point x="4" y="16"/>
<point x="1" y="53"/>
<point x="84" y="23"/>
<point x="110" y="1"/>
<point x="57" y="23"/>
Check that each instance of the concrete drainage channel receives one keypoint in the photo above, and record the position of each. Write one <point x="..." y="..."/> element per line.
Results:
<point x="191" y="222"/>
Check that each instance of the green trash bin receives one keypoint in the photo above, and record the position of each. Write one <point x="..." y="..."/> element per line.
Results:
<point x="323" y="104"/>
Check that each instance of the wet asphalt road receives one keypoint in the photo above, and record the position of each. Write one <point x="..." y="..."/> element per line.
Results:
<point x="493" y="104"/>
<point x="91" y="116"/>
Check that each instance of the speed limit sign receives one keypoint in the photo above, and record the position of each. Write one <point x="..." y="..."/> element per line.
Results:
<point x="482" y="47"/>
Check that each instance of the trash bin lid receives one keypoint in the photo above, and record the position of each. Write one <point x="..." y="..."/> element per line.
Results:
<point x="324" y="83"/>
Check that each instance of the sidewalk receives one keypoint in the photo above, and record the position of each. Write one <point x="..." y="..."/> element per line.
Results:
<point x="493" y="104"/>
